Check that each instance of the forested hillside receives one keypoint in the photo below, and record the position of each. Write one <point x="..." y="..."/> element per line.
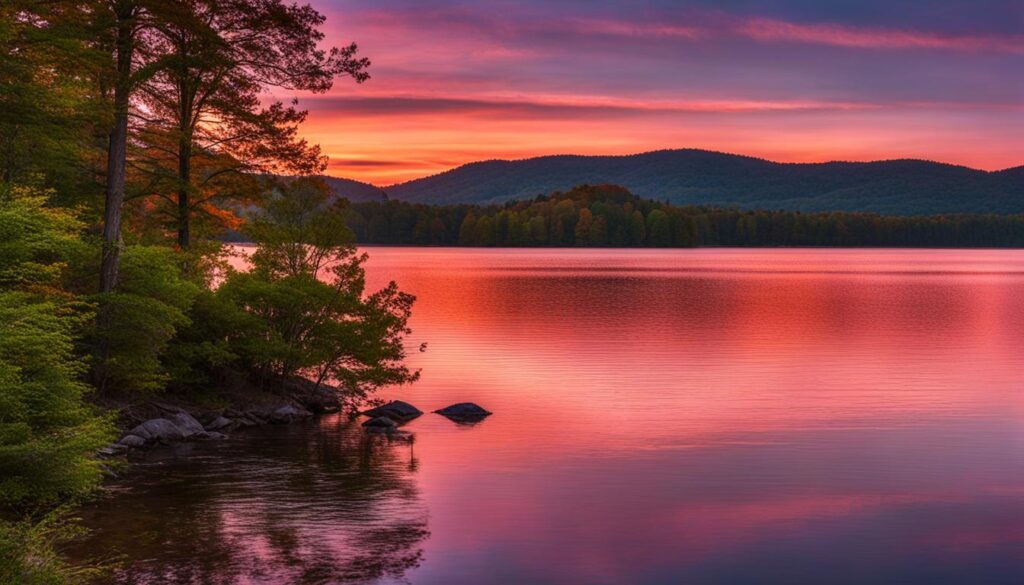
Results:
<point x="696" y="177"/>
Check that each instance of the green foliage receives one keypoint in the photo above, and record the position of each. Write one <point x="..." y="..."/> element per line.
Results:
<point x="303" y="308"/>
<point x="47" y="105"/>
<point x="135" y="324"/>
<point x="28" y="553"/>
<point x="35" y="239"/>
<point x="611" y="216"/>
<point x="48" y="434"/>
<point x="203" y="347"/>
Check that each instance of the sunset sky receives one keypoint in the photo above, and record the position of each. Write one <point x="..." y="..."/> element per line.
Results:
<point x="789" y="80"/>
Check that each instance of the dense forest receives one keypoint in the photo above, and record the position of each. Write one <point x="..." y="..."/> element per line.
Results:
<point x="130" y="130"/>
<point x="607" y="215"/>
<point x="699" y="177"/>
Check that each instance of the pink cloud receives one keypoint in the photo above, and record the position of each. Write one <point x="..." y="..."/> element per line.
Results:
<point x="769" y="30"/>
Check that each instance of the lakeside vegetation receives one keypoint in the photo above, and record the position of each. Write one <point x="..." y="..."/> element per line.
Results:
<point x="129" y="130"/>
<point x="610" y="216"/>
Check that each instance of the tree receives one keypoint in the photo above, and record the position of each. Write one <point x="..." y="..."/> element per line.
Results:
<point x="204" y="112"/>
<point x="637" y="230"/>
<point x="124" y="18"/>
<point x="467" y="231"/>
<point x="48" y="434"/>
<point x="659" y="231"/>
<point x="306" y="305"/>
<point x="538" y="230"/>
<point x="47" y="108"/>
<point x="137" y="322"/>
<point x="581" y="232"/>
<point x="483" y="232"/>
<point x="599" y="231"/>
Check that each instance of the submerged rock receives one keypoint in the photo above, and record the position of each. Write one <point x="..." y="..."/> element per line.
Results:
<point x="381" y="424"/>
<point x="288" y="413"/>
<point x="218" y="423"/>
<point x="395" y="410"/>
<point x="464" y="412"/>
<point x="133" y="441"/>
<point x="244" y="421"/>
<point x="158" y="429"/>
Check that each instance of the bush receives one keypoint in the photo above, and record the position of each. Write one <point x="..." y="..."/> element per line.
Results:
<point x="302" y="309"/>
<point x="135" y="324"/>
<point x="48" y="434"/>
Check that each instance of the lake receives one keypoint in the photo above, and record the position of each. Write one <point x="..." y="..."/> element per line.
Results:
<point x="661" y="417"/>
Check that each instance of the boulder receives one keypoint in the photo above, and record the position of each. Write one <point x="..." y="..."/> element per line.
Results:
<point x="218" y="423"/>
<point x="288" y="413"/>
<point x="208" y="436"/>
<point x="464" y="412"/>
<point x="395" y="410"/>
<point x="244" y="421"/>
<point x="133" y="441"/>
<point x="381" y="424"/>
<point x="257" y="416"/>
<point x="189" y="426"/>
<point x="158" y="429"/>
<point x="319" y="398"/>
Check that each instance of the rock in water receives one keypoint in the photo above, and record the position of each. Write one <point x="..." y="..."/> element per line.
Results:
<point x="187" y="424"/>
<point x="464" y="412"/>
<point x="218" y="423"/>
<point x="158" y="429"/>
<point x="134" y="441"/>
<point x="381" y="424"/>
<point x="288" y="413"/>
<point x="395" y="410"/>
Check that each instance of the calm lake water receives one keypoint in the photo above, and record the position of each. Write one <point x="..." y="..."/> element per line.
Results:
<point x="661" y="417"/>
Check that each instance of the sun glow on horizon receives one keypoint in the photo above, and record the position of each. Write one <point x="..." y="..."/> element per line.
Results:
<point x="453" y="84"/>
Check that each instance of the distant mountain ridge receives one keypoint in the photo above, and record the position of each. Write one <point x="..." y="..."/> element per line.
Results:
<point x="898" y="187"/>
<point x="353" y="190"/>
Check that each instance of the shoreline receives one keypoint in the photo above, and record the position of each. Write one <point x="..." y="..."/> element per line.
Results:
<point x="168" y="420"/>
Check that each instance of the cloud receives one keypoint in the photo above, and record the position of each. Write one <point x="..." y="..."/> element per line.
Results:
<point x="769" y="30"/>
<point x="356" y="162"/>
<point x="581" y="107"/>
<point x="511" y="35"/>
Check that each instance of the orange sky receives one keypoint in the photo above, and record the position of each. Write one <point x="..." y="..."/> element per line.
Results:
<point x="454" y="83"/>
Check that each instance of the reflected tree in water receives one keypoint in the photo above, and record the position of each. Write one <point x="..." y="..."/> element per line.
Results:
<point x="316" y="505"/>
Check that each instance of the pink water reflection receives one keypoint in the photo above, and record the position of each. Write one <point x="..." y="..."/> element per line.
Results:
<point x="661" y="417"/>
<point x="687" y="409"/>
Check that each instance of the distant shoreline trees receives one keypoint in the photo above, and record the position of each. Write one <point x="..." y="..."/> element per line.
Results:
<point x="610" y="216"/>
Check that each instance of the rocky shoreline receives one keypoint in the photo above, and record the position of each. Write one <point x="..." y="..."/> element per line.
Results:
<point x="165" y="422"/>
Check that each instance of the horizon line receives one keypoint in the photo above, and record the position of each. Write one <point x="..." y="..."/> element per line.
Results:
<point x="327" y="173"/>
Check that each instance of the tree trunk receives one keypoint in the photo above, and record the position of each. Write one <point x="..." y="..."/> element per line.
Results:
<point x="117" y="151"/>
<point x="184" y="181"/>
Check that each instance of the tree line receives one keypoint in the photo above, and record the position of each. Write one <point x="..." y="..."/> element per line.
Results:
<point x="610" y="216"/>
<point x="130" y="131"/>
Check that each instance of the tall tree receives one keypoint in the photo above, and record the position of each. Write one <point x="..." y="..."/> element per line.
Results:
<point x="124" y="16"/>
<point x="207" y="122"/>
<point x="46" y="104"/>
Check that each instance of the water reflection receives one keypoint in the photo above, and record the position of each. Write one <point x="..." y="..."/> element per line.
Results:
<point x="660" y="417"/>
<point x="318" y="503"/>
